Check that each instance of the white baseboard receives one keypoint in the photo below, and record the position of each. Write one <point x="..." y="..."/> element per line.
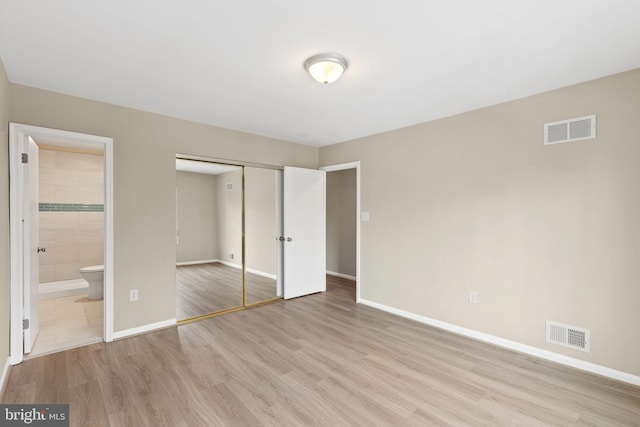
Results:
<point x="230" y="264"/>
<point x="249" y="270"/>
<point x="144" y="329"/>
<point x="262" y="273"/>
<point x="203" y="261"/>
<point x="512" y="345"/>
<point x="343" y="276"/>
<point x="5" y="376"/>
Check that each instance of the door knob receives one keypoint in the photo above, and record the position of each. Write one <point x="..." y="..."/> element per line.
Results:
<point x="42" y="249"/>
<point x="289" y="239"/>
<point x="281" y="238"/>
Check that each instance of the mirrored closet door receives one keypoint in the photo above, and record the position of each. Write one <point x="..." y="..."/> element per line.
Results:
<point x="226" y="237"/>
<point x="261" y="233"/>
<point x="208" y="238"/>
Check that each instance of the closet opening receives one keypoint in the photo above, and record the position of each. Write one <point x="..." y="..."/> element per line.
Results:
<point x="228" y="228"/>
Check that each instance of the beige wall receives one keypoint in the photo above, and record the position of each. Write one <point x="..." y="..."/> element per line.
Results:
<point x="341" y="222"/>
<point x="145" y="146"/>
<point x="476" y="201"/>
<point x="197" y="217"/>
<point x="229" y="214"/>
<point x="73" y="239"/>
<point x="260" y="219"/>
<point x="4" y="217"/>
<point x="210" y="217"/>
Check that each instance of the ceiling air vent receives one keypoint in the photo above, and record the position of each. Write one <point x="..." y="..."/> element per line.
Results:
<point x="568" y="336"/>
<point x="570" y="130"/>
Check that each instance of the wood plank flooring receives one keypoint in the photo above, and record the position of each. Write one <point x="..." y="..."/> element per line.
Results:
<point x="212" y="287"/>
<point x="316" y="360"/>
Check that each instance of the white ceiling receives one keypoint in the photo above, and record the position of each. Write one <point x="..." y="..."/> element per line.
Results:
<point x="238" y="64"/>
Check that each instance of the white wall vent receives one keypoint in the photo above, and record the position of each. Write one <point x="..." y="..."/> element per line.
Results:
<point x="570" y="130"/>
<point x="568" y="336"/>
<point x="229" y="186"/>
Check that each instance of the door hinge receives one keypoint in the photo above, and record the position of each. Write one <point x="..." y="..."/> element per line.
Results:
<point x="25" y="158"/>
<point x="25" y="324"/>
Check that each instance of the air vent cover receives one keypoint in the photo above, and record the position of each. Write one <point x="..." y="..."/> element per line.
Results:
<point x="570" y="130"/>
<point x="568" y="336"/>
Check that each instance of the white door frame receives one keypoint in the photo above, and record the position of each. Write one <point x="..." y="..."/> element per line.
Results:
<point x="356" y="166"/>
<point x="17" y="133"/>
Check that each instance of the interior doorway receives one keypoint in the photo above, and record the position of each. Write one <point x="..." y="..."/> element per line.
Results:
<point x="50" y="297"/>
<point x="343" y="225"/>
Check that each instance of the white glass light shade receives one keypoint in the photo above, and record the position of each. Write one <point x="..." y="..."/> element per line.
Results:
<point x="326" y="68"/>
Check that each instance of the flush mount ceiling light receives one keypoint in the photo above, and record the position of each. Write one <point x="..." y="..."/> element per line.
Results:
<point x="326" y="68"/>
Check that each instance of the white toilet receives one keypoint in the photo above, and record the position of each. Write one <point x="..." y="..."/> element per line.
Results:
<point x="95" y="276"/>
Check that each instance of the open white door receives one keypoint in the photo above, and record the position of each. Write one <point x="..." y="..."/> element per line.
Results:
<point x="279" y="232"/>
<point x="31" y="249"/>
<point x="304" y="232"/>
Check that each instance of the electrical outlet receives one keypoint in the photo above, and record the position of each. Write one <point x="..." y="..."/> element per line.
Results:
<point x="133" y="295"/>
<point x="473" y="297"/>
<point x="232" y="255"/>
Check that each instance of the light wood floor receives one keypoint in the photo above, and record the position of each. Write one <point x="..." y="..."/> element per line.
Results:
<point x="212" y="287"/>
<point x="316" y="360"/>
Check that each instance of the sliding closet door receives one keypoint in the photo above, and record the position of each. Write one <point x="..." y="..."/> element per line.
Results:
<point x="261" y="234"/>
<point x="246" y="235"/>
<point x="209" y="251"/>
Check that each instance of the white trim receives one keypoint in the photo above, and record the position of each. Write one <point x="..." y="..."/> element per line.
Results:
<point x="17" y="133"/>
<point x="353" y="165"/>
<point x="341" y="166"/>
<point x="343" y="276"/>
<point x="5" y="376"/>
<point x="262" y="273"/>
<point x="144" y="329"/>
<point x="512" y="345"/>
<point x="230" y="264"/>
<point x="108" y="240"/>
<point x="203" y="261"/>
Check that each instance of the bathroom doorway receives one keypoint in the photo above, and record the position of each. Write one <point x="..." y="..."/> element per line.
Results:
<point x="71" y="239"/>
<point x="62" y="191"/>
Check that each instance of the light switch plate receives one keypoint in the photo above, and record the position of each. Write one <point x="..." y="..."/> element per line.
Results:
<point x="473" y="297"/>
<point x="364" y="216"/>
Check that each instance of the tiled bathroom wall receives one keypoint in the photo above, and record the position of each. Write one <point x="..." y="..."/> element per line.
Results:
<point x="71" y="213"/>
